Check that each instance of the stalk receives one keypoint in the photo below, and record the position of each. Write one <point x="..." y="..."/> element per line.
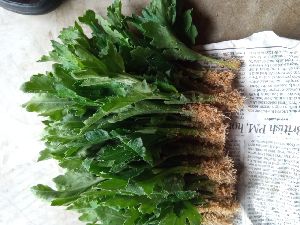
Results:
<point x="197" y="150"/>
<point x="233" y="64"/>
<point x="213" y="135"/>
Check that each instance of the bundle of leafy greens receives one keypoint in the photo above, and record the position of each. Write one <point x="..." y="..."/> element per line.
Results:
<point x="136" y="118"/>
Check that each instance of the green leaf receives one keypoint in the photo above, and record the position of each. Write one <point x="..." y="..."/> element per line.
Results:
<point x="74" y="180"/>
<point x="109" y="216"/>
<point x="185" y="27"/>
<point x="114" y="14"/>
<point x="70" y="186"/>
<point x="63" y="55"/>
<point x="90" y="61"/>
<point x="64" y="92"/>
<point x="44" y="192"/>
<point x="45" y="154"/>
<point x="71" y="163"/>
<point x="39" y="84"/>
<point x="136" y="145"/>
<point x="97" y="136"/>
<point x="74" y="35"/>
<point x="162" y="11"/>
<point x="133" y="215"/>
<point x="162" y="38"/>
<point x="46" y="104"/>
<point x="113" y="60"/>
<point x="191" y="214"/>
<point x="105" y="29"/>
<point x="112" y="104"/>
<point x="172" y="219"/>
<point x="145" y="59"/>
<point x="116" y="157"/>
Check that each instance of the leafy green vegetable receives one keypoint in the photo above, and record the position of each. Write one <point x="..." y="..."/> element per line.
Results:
<point x="158" y="23"/>
<point x="115" y="108"/>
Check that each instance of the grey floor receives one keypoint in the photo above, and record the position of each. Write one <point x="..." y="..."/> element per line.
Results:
<point x="234" y="19"/>
<point x="23" y="39"/>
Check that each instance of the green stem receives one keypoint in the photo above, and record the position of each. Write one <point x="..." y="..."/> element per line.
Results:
<point x="230" y="64"/>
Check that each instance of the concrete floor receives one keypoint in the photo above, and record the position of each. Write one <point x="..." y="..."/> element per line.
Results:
<point x="221" y="20"/>
<point x="23" y="39"/>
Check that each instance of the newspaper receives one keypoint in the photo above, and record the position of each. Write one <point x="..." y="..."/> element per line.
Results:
<point x="264" y="139"/>
<point x="265" y="135"/>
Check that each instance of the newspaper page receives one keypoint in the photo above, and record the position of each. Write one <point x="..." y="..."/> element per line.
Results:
<point x="265" y="135"/>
